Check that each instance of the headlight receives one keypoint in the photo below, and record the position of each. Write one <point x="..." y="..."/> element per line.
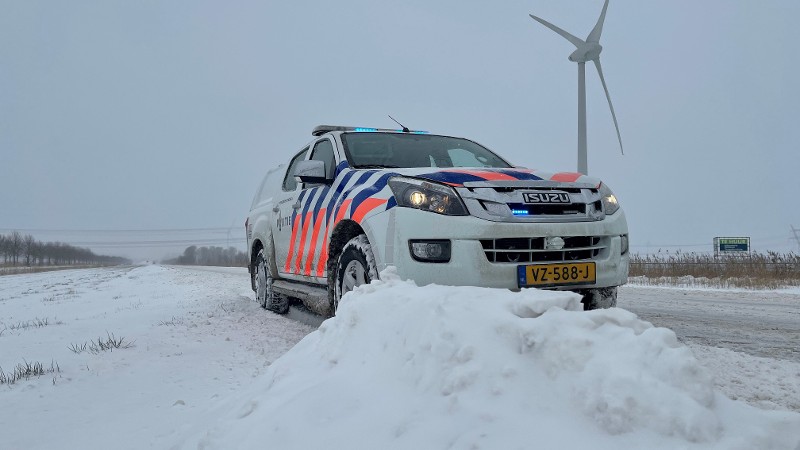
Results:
<point x="610" y="204"/>
<point x="438" y="198"/>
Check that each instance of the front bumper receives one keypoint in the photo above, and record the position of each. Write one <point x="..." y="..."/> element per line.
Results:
<point x="468" y="265"/>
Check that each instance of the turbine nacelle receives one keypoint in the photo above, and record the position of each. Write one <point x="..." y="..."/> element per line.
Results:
<point x="589" y="51"/>
<point x="586" y="50"/>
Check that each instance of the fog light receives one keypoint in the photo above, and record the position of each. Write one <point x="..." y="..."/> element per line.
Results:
<point x="623" y="244"/>
<point x="430" y="251"/>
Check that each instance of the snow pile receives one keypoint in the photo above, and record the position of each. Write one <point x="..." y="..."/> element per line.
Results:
<point x="434" y="367"/>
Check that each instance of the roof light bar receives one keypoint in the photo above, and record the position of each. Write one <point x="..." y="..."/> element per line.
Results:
<point x="322" y="129"/>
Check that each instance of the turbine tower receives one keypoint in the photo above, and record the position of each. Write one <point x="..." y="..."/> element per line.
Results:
<point x="588" y="50"/>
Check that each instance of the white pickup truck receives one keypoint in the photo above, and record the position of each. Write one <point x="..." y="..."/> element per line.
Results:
<point x="440" y="209"/>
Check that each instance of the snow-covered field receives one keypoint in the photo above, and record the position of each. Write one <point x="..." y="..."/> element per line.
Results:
<point x="400" y="367"/>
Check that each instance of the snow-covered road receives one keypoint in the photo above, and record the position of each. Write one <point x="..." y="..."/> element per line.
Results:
<point x="759" y="323"/>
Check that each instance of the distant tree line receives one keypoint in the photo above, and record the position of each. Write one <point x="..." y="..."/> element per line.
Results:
<point x="17" y="249"/>
<point x="211" y="256"/>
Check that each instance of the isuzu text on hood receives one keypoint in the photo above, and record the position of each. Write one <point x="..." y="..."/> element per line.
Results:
<point x="441" y="209"/>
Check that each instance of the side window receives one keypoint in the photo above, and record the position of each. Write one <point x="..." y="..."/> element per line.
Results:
<point x="323" y="151"/>
<point x="289" y="182"/>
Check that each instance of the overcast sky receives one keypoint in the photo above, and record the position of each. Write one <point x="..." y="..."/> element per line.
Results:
<point x="165" y="115"/>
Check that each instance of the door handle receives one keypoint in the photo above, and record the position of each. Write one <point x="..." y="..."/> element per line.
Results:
<point x="275" y="209"/>
<point x="296" y="205"/>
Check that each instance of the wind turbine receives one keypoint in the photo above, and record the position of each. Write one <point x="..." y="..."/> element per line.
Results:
<point x="588" y="50"/>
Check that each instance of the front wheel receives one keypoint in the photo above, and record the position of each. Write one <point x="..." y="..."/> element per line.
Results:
<point x="356" y="266"/>
<point x="265" y="295"/>
<point x="602" y="298"/>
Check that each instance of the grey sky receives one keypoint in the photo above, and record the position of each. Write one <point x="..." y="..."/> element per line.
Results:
<point x="129" y="115"/>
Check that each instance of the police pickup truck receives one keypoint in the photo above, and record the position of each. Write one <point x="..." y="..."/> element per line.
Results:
<point x="440" y="209"/>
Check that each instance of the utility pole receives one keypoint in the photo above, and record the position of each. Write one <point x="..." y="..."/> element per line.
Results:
<point x="796" y="235"/>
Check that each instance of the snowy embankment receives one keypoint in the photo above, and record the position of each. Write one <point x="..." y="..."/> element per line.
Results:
<point x="196" y="339"/>
<point x="400" y="367"/>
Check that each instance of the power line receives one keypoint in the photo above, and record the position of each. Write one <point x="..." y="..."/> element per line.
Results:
<point x="671" y="245"/>
<point x="162" y="243"/>
<point x="153" y="230"/>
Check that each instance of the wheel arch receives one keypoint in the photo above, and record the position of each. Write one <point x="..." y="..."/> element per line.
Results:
<point x="255" y="247"/>
<point x="344" y="231"/>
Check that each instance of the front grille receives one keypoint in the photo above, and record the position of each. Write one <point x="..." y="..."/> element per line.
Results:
<point x="517" y="204"/>
<point x="532" y="250"/>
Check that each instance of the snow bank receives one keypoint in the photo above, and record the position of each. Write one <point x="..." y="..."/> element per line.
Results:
<point x="434" y="367"/>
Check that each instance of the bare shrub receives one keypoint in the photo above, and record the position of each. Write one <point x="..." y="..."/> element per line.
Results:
<point x="35" y="323"/>
<point x="26" y="370"/>
<point x="769" y="270"/>
<point x="110" y="343"/>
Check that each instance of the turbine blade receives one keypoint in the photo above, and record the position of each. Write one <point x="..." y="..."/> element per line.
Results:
<point x="594" y="36"/>
<point x="576" y="41"/>
<point x="608" y="97"/>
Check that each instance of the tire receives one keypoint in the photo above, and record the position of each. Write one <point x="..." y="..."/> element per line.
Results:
<point x="265" y="296"/>
<point x="355" y="266"/>
<point x="602" y="298"/>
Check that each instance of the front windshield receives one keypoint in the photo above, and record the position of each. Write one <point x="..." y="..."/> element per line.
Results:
<point x="368" y="150"/>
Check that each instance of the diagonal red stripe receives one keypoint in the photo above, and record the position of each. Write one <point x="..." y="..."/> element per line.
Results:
<point x="299" y="261"/>
<point x="488" y="175"/>
<point x="314" y="236"/>
<point x="295" y="227"/>
<point x="366" y="206"/>
<point x="568" y="177"/>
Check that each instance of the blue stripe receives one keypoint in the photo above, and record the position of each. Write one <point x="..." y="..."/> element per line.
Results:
<point x="368" y="192"/>
<point x="321" y="199"/>
<point x="461" y="178"/>
<point x="308" y="203"/>
<point x="450" y="177"/>
<point x="345" y="178"/>
<point x="340" y="168"/>
<point x="294" y="211"/>
<point x="520" y="175"/>
<point x="359" y="184"/>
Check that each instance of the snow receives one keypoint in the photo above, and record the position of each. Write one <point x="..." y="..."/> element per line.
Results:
<point x="765" y="382"/>
<point x="401" y="366"/>
<point x="197" y="338"/>
<point x="701" y="284"/>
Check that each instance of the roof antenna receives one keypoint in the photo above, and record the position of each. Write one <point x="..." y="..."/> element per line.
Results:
<point x="405" y="128"/>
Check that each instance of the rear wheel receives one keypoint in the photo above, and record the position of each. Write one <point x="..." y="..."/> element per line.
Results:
<point x="356" y="266"/>
<point x="265" y="295"/>
<point x="602" y="298"/>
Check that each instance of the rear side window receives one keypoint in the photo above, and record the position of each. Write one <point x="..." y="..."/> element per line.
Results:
<point x="323" y="151"/>
<point x="289" y="182"/>
<point x="262" y="192"/>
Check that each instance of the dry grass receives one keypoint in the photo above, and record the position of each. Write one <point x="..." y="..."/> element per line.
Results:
<point x="28" y="370"/>
<point x="18" y="270"/>
<point x="35" y="323"/>
<point x="755" y="271"/>
<point x="101" y="345"/>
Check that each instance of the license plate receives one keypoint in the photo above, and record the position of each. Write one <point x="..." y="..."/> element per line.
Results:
<point x="556" y="274"/>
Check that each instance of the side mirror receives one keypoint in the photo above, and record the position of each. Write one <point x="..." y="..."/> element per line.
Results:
<point x="311" y="171"/>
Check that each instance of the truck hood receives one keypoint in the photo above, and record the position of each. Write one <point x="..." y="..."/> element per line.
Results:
<point x="472" y="177"/>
